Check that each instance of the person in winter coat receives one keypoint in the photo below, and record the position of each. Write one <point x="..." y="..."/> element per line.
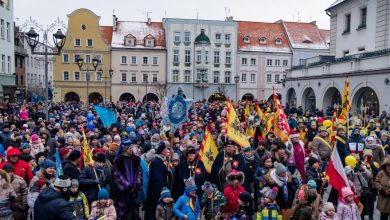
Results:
<point x="36" y="145"/>
<point x="259" y="177"/>
<point x="297" y="149"/>
<point x="328" y="212"/>
<point x="164" y="209"/>
<point x="78" y="200"/>
<point x="322" y="148"/>
<point x="7" y="195"/>
<point x="22" y="168"/>
<point x="280" y="178"/>
<point x="48" y="173"/>
<point x="355" y="143"/>
<point x="378" y="154"/>
<point x="187" y="206"/>
<point x="347" y="208"/>
<point x="103" y="208"/>
<point x="32" y="196"/>
<point x="312" y="173"/>
<point x="212" y="201"/>
<point x="341" y="139"/>
<point x="269" y="209"/>
<point x="382" y="185"/>
<point x="244" y="211"/>
<point x="19" y="205"/>
<point x="234" y="179"/>
<point x="52" y="202"/>
<point x="304" y="209"/>
<point x="71" y="167"/>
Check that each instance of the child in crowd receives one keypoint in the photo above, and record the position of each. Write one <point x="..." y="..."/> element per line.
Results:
<point x="164" y="208"/>
<point x="328" y="212"/>
<point x="187" y="206"/>
<point x="103" y="208"/>
<point x="347" y="209"/>
<point x="245" y="202"/>
<point x="78" y="200"/>
<point x="212" y="201"/>
<point x="269" y="209"/>
<point x="234" y="179"/>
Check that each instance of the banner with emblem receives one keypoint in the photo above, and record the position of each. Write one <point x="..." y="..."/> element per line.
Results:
<point x="208" y="151"/>
<point x="233" y="126"/>
<point x="281" y="127"/>
<point x="346" y="104"/>
<point x="87" y="151"/>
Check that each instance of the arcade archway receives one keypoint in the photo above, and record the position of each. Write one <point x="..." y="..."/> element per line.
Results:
<point x="72" y="97"/>
<point x="95" y="97"/>
<point x="309" y="99"/>
<point x="291" y="97"/>
<point x="332" y="96"/>
<point x="217" y="97"/>
<point x="150" y="97"/>
<point x="248" y="97"/>
<point x="127" y="97"/>
<point x="365" y="97"/>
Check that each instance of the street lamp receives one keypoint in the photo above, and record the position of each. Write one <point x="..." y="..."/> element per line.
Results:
<point x="110" y="73"/>
<point x="236" y="80"/>
<point x="59" y="41"/>
<point x="80" y="63"/>
<point x="203" y="79"/>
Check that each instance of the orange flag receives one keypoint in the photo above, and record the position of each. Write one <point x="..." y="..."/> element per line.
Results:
<point x="281" y="127"/>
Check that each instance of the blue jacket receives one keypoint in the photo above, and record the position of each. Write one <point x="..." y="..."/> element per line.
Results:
<point x="145" y="177"/>
<point x="182" y="208"/>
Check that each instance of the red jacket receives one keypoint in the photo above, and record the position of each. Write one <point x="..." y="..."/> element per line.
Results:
<point x="231" y="194"/>
<point x="22" y="169"/>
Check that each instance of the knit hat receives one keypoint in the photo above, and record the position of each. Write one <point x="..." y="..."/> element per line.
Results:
<point x="34" y="137"/>
<point x="62" y="181"/>
<point x="294" y="134"/>
<point x="312" y="160"/>
<point x="279" y="169"/>
<point x="346" y="191"/>
<point x="39" y="183"/>
<point x="245" y="197"/>
<point x="384" y="133"/>
<point x="301" y="195"/>
<point x="290" y="162"/>
<point x="47" y="163"/>
<point x="165" y="193"/>
<point x="322" y="128"/>
<point x="190" y="185"/>
<point x="8" y="167"/>
<point x="270" y="193"/>
<point x="190" y="150"/>
<point x="311" y="196"/>
<point x="74" y="183"/>
<point x="64" y="151"/>
<point x="24" y="146"/>
<point x="74" y="155"/>
<point x="113" y="147"/>
<point x="103" y="194"/>
<point x="125" y="144"/>
<point x="161" y="148"/>
<point x="367" y="152"/>
<point x="150" y="155"/>
<point x="312" y="184"/>
<point x="207" y="187"/>
<point x="327" y="207"/>
<point x="100" y="157"/>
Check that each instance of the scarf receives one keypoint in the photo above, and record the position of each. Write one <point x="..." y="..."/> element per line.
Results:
<point x="281" y="182"/>
<point x="192" y="202"/>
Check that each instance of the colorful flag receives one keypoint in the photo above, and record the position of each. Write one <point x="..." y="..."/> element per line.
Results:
<point x="346" y="104"/>
<point x="281" y="127"/>
<point x="247" y="112"/>
<point x="58" y="163"/>
<point x="87" y="152"/>
<point x="332" y="135"/>
<point x="107" y="116"/>
<point x="208" y="152"/>
<point x="259" y="112"/>
<point x="335" y="172"/>
<point x="233" y="126"/>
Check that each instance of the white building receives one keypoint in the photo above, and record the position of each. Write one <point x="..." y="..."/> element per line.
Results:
<point x="359" y="45"/>
<point x="7" y="65"/>
<point x="201" y="57"/>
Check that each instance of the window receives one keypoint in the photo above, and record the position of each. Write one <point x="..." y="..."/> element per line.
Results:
<point x="187" y="56"/>
<point x="65" y="58"/>
<point x="175" y="76"/>
<point x="99" y="58"/>
<point x="145" y="77"/>
<point x="177" y="37"/>
<point x="98" y="77"/>
<point x="123" y="60"/>
<point x="77" y="76"/>
<point x="175" y="56"/>
<point x="150" y="43"/>
<point x="277" y="62"/>
<point x="363" y="18"/>
<point x="285" y="62"/>
<point x="154" y="77"/>
<point x="243" y="77"/>
<point x="66" y="75"/>
<point x="133" y="77"/>
<point x="133" y="60"/>
<point x="187" y="36"/>
<point x="199" y="74"/>
<point x="130" y="42"/>
<point x="9" y="64"/>
<point x="276" y="78"/>
<point x="155" y="61"/>
<point x="89" y="43"/>
<point x="218" y="38"/>
<point x="228" y="57"/>
<point x="145" y="60"/>
<point x="253" y="77"/>
<point x="8" y="31"/>
<point x="269" y="78"/>
<point x="87" y="58"/>
<point x="269" y="62"/>
<point x="3" y="63"/>
<point x="263" y="40"/>
<point x="187" y="76"/>
<point x="216" y="57"/>
<point x="198" y="56"/>
<point x="361" y="49"/>
<point x="228" y="38"/>
<point x="77" y="42"/>
<point x="216" y="77"/>
<point x="2" y="30"/>
<point x="227" y="76"/>
<point x="347" y="27"/>
<point x="124" y="77"/>
<point x="253" y="62"/>
<point x="346" y="52"/>
<point x="278" y="41"/>
<point x="76" y="57"/>
<point x="244" y="61"/>
<point x="246" y="40"/>
<point x="206" y="57"/>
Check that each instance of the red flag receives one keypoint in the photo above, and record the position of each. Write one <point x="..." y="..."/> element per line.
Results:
<point x="281" y="127"/>
<point x="335" y="172"/>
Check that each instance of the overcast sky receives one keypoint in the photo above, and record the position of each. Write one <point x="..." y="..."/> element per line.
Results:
<point x="46" y="11"/>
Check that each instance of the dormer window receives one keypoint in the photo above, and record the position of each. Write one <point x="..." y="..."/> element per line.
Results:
<point x="307" y="40"/>
<point x="263" y="40"/>
<point x="246" y="40"/>
<point x="278" y="41"/>
<point x="149" y="41"/>
<point x="129" y="40"/>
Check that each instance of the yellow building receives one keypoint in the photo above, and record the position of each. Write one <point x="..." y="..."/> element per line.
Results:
<point x="87" y="40"/>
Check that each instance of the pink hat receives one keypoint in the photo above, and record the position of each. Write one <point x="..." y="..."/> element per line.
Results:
<point x="301" y="195"/>
<point x="34" y="137"/>
<point x="294" y="134"/>
<point x="345" y="191"/>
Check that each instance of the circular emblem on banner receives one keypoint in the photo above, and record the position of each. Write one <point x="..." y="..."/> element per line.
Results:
<point x="177" y="110"/>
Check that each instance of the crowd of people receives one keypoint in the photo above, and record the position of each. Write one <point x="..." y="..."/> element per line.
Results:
<point x="143" y="170"/>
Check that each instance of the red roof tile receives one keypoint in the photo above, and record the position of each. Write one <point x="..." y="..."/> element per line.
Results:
<point x="304" y="35"/>
<point x="325" y="35"/>
<point x="106" y="32"/>
<point x="257" y="30"/>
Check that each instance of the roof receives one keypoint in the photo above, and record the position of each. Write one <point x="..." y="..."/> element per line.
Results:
<point x="256" y="30"/>
<point x="325" y="34"/>
<point x="337" y="2"/>
<point x="106" y="32"/>
<point x="305" y="35"/>
<point x="202" y="38"/>
<point x="139" y="30"/>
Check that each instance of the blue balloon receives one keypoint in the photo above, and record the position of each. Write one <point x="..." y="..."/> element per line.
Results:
<point x="89" y="117"/>
<point x="90" y="125"/>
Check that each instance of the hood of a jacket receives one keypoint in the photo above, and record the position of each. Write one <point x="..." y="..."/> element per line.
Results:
<point x="48" y="194"/>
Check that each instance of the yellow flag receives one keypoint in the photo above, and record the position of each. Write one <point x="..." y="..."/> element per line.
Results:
<point x="346" y="104"/>
<point x="208" y="152"/>
<point x="281" y="128"/>
<point x="259" y="112"/>
<point x="233" y="127"/>
<point x="247" y="111"/>
<point x="87" y="152"/>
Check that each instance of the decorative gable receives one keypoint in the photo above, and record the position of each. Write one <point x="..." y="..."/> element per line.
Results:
<point x="149" y="41"/>
<point x="130" y="40"/>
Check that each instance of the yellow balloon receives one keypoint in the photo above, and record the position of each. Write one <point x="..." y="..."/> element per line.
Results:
<point x="350" y="160"/>
<point x="327" y="123"/>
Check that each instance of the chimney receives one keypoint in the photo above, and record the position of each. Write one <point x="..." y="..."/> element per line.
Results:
<point x="149" y="21"/>
<point x="114" y="20"/>
<point x="314" y="23"/>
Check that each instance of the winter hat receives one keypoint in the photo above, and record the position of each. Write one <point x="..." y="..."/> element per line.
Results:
<point x="270" y="193"/>
<point x="312" y="184"/>
<point x="113" y="147"/>
<point x="370" y="138"/>
<point x="291" y="162"/>
<point x="327" y="207"/>
<point x="346" y="191"/>
<point x="39" y="183"/>
<point x="98" y="150"/>
<point x="176" y="157"/>
<point x="367" y="152"/>
<point x="64" y="151"/>
<point x="348" y="170"/>
<point x="301" y="195"/>
<point x="47" y="163"/>
<point x="245" y="197"/>
<point x="74" y="183"/>
<point x="279" y="169"/>
<point x="190" y="150"/>
<point x="294" y="134"/>
<point x="161" y="148"/>
<point x="207" y="187"/>
<point x="165" y="193"/>
<point x="311" y="196"/>
<point x="150" y="155"/>
<point x="34" y="137"/>
<point x="100" y="157"/>
<point x="24" y="146"/>
<point x="190" y="185"/>
<point x="8" y="167"/>
<point x="322" y="128"/>
<point x="103" y="194"/>
<point x="384" y="133"/>
<point x="62" y="181"/>
<point x="74" y="155"/>
<point x="312" y="160"/>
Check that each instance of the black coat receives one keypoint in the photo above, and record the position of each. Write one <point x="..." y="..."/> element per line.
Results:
<point x="158" y="174"/>
<point x="183" y="172"/>
<point x="51" y="205"/>
<point x="71" y="170"/>
<point x="312" y="174"/>
<point x="88" y="185"/>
